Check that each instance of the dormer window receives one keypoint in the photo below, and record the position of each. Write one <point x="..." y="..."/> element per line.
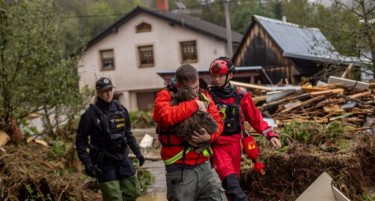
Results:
<point x="143" y="27"/>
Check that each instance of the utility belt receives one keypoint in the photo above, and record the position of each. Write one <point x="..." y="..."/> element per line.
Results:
<point x="99" y="155"/>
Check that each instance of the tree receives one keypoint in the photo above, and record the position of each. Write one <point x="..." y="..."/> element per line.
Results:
<point x="84" y="19"/>
<point x="241" y="14"/>
<point x="364" y="12"/>
<point x="34" y="73"/>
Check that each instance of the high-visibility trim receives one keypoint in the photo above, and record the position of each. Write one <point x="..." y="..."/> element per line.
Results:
<point x="205" y="98"/>
<point x="176" y="157"/>
<point x="206" y="153"/>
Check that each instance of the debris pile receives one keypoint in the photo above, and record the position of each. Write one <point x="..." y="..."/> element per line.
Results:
<point x="329" y="127"/>
<point x="345" y="100"/>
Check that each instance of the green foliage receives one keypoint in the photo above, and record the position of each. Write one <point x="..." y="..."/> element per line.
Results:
<point x="35" y="195"/>
<point x="315" y="133"/>
<point x="241" y="14"/>
<point x="141" y="119"/>
<point x="85" y="19"/>
<point x="59" y="149"/>
<point x="145" y="177"/>
<point x="300" y="131"/>
<point x="34" y="73"/>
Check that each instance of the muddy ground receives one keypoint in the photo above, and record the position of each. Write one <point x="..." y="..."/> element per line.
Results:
<point x="31" y="171"/>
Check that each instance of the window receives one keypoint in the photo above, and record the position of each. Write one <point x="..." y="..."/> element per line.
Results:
<point x="143" y="27"/>
<point x="107" y="58"/>
<point x="189" y="52"/>
<point x="146" y="56"/>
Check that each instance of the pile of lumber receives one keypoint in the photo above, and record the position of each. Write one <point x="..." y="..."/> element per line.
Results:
<point x="344" y="100"/>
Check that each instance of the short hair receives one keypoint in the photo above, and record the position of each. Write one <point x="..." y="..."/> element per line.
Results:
<point x="186" y="73"/>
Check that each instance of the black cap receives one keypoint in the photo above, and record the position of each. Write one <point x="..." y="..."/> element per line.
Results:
<point x="103" y="84"/>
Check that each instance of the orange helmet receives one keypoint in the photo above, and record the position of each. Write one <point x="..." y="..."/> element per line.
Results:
<point x="222" y="66"/>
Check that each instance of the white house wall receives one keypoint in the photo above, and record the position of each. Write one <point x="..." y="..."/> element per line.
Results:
<point x="128" y="77"/>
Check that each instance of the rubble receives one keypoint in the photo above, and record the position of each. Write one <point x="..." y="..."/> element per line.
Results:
<point x="329" y="127"/>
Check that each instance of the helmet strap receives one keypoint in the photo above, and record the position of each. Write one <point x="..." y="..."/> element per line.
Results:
<point x="226" y="81"/>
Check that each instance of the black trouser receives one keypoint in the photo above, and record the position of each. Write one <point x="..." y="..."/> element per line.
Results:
<point x="233" y="188"/>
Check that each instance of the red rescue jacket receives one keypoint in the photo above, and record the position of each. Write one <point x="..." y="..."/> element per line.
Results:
<point x="167" y="116"/>
<point x="251" y="114"/>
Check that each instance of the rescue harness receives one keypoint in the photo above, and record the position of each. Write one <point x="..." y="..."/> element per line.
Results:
<point x="230" y="112"/>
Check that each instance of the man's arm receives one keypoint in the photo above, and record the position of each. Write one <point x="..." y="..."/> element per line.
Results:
<point x="168" y="115"/>
<point x="82" y="139"/>
<point x="255" y="119"/>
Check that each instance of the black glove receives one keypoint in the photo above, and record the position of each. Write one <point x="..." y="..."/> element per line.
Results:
<point x="141" y="159"/>
<point x="90" y="170"/>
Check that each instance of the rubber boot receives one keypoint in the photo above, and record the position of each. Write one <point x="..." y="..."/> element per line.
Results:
<point x="233" y="188"/>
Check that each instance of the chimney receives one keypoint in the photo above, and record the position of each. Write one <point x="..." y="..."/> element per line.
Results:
<point x="162" y="5"/>
<point x="284" y="18"/>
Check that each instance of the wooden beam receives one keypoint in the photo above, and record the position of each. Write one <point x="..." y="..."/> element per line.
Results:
<point x="348" y="83"/>
<point x="251" y="86"/>
<point x="332" y="91"/>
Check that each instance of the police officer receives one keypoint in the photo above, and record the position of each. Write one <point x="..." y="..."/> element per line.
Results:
<point x="105" y="130"/>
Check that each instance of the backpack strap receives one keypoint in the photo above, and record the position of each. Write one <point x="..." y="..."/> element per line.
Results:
<point x="97" y="109"/>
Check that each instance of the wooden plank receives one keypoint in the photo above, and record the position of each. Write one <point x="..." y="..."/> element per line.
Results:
<point x="304" y="103"/>
<point x="277" y="95"/>
<point x="348" y="69"/>
<point x="332" y="91"/>
<point x="301" y="96"/>
<point x="259" y="98"/>
<point x="251" y="86"/>
<point x="348" y="82"/>
<point x="357" y="95"/>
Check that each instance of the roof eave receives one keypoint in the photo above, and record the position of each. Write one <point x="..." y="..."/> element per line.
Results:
<point x="331" y="60"/>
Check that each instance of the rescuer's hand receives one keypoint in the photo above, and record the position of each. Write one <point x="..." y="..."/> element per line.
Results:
<point x="90" y="170"/>
<point x="201" y="105"/>
<point x="141" y="159"/>
<point x="200" y="136"/>
<point x="275" y="142"/>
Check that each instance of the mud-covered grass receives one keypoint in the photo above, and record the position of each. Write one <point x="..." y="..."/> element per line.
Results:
<point x="30" y="171"/>
<point x="347" y="157"/>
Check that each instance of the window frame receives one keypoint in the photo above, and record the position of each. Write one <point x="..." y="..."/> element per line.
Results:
<point x="102" y="60"/>
<point x="143" y="27"/>
<point x="184" y="55"/>
<point x="140" y="55"/>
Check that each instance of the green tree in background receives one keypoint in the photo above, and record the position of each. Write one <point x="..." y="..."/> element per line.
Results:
<point x="241" y="14"/>
<point x="35" y="75"/>
<point x="363" y="27"/>
<point x="277" y="8"/>
<point x="84" y="19"/>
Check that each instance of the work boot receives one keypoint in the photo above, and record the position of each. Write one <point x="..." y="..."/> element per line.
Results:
<point x="233" y="188"/>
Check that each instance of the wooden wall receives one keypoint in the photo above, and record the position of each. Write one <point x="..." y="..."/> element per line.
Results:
<point x="259" y="49"/>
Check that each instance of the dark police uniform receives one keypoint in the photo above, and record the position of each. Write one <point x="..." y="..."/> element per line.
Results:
<point x="111" y="166"/>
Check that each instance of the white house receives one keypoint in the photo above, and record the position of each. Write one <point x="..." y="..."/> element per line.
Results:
<point x="143" y="42"/>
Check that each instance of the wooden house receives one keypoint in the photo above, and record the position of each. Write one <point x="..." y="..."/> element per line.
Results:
<point x="285" y="50"/>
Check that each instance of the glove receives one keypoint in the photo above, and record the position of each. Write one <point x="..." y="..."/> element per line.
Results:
<point x="141" y="159"/>
<point x="90" y="170"/>
<point x="271" y="134"/>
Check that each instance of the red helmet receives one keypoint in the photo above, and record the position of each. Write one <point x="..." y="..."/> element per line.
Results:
<point x="222" y="66"/>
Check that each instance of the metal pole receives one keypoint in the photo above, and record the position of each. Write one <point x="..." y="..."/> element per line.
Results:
<point x="229" y="30"/>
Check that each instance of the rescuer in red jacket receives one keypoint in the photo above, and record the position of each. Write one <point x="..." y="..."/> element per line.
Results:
<point x="190" y="175"/>
<point x="235" y="106"/>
